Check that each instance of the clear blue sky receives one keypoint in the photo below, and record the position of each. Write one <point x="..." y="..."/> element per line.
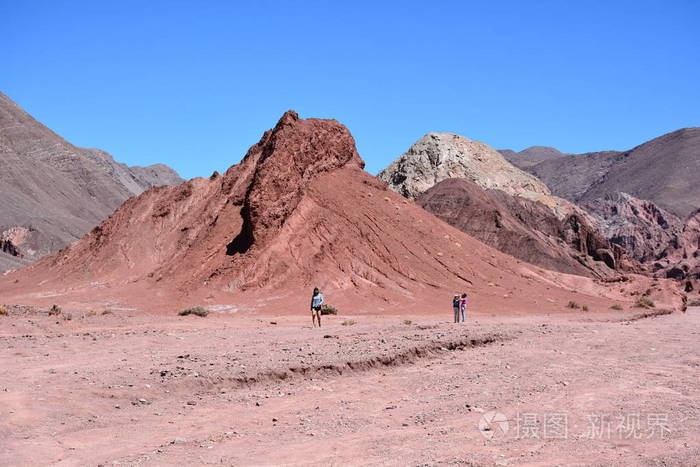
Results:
<point x="194" y="84"/>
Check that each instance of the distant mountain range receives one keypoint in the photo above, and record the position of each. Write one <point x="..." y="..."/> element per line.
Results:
<point x="645" y="201"/>
<point x="665" y="170"/>
<point x="597" y="215"/>
<point x="53" y="192"/>
<point x="531" y="156"/>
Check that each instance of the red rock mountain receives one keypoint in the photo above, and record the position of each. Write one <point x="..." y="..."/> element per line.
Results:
<point x="298" y="211"/>
<point x="527" y="229"/>
<point x="669" y="245"/>
<point x="645" y="199"/>
<point x="53" y="192"/>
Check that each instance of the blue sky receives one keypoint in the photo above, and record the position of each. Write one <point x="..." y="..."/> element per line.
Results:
<point x="194" y="84"/>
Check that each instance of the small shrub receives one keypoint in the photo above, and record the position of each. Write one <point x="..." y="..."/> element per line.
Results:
<point x="407" y="322"/>
<point x="328" y="309"/>
<point x="55" y="310"/>
<point x="616" y="307"/>
<point x="348" y="322"/>
<point x="573" y="305"/>
<point x="584" y="307"/>
<point x="644" y="302"/>
<point x="195" y="310"/>
<point x="3" y="310"/>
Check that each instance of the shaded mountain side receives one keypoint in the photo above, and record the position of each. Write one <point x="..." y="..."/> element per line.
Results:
<point x="683" y="263"/>
<point x="664" y="170"/>
<point x="526" y="229"/>
<point x="531" y="156"/>
<point x="669" y="245"/>
<point x="643" y="229"/>
<point x="54" y="192"/>
<point x="297" y="212"/>
<point x="570" y="176"/>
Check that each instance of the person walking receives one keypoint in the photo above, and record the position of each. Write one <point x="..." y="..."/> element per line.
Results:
<point x="316" y="302"/>
<point x="463" y="305"/>
<point x="455" y="307"/>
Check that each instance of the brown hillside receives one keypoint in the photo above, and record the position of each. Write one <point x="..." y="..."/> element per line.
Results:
<point x="53" y="192"/>
<point x="664" y="170"/>
<point x="525" y="229"/>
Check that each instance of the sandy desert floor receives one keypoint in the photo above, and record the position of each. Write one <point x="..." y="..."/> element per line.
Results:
<point x="569" y="389"/>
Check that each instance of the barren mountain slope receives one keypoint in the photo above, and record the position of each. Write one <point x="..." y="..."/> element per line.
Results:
<point x="53" y="191"/>
<point x="531" y="156"/>
<point x="569" y="177"/>
<point x="297" y="212"/>
<point x="664" y="170"/>
<point x="651" y="235"/>
<point x="526" y="229"/>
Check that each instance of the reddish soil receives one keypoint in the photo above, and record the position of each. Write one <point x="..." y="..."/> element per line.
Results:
<point x="138" y="389"/>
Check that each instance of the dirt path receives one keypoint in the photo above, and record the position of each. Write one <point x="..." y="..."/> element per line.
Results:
<point x="572" y="389"/>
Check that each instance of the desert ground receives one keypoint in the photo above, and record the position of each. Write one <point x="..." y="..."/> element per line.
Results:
<point x="126" y="388"/>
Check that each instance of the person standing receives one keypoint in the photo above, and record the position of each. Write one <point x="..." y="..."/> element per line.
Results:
<point x="455" y="307"/>
<point x="463" y="305"/>
<point x="316" y="302"/>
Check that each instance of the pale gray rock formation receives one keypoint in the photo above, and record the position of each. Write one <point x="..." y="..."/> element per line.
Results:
<point x="439" y="156"/>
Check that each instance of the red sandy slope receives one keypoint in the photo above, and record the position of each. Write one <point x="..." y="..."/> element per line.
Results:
<point x="297" y="212"/>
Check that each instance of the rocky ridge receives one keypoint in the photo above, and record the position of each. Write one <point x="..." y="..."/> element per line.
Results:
<point x="531" y="156"/>
<point x="664" y="170"/>
<point x="669" y="245"/>
<point x="527" y="230"/>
